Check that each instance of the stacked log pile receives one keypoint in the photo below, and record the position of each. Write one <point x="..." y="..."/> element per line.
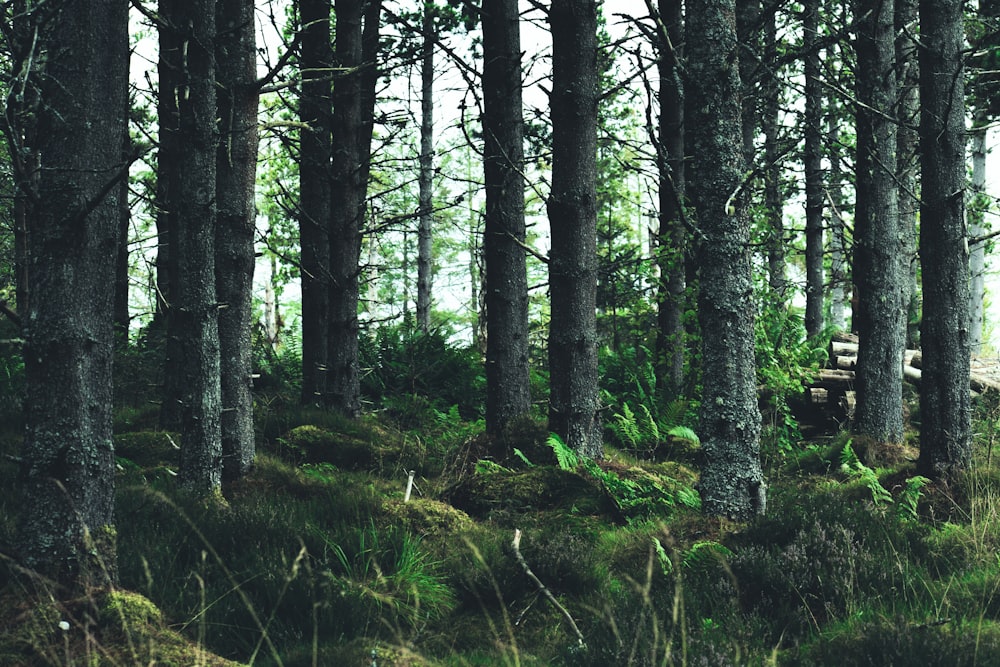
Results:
<point x="833" y="387"/>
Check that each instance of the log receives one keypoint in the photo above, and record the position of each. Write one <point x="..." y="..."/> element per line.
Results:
<point x="833" y="379"/>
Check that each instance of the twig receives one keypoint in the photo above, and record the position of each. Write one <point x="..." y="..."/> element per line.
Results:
<point x="516" y="545"/>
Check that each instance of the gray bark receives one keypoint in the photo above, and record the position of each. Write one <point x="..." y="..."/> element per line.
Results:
<point x="508" y="391"/>
<point x="907" y="141"/>
<point x="67" y="476"/>
<point x="236" y="171"/>
<point x="314" y="194"/>
<point x="672" y="238"/>
<point x="193" y="321"/>
<point x="812" y="130"/>
<point x="878" y="269"/>
<point x="572" y="211"/>
<point x="945" y="431"/>
<point x="425" y="266"/>
<point x="732" y="483"/>
<point x="977" y="251"/>
<point x="353" y="110"/>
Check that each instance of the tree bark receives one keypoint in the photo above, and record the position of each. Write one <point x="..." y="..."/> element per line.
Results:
<point x="425" y="263"/>
<point x="977" y="251"/>
<point x="774" y="212"/>
<point x="193" y="323"/>
<point x="236" y="172"/>
<point x="907" y="141"/>
<point x="945" y="430"/>
<point x="67" y="476"/>
<point x="315" y="184"/>
<point x="732" y="483"/>
<point x="353" y="118"/>
<point x="572" y="211"/>
<point x="813" y="138"/>
<point x="878" y="270"/>
<point x="508" y="392"/>
<point x="672" y="238"/>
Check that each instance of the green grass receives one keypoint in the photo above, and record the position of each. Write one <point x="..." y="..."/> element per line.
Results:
<point x="319" y="561"/>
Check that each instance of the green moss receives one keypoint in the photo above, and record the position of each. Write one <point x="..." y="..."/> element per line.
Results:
<point x="149" y="449"/>
<point x="130" y="613"/>
<point x="534" y="489"/>
<point x="424" y="516"/>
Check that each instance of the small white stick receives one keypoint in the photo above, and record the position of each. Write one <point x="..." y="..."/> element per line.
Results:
<point x="409" y="486"/>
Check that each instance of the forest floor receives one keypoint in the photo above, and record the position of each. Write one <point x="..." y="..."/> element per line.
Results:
<point x="319" y="558"/>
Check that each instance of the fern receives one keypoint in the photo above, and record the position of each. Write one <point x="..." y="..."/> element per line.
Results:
<point x="702" y="554"/>
<point x="906" y="504"/>
<point x="666" y="565"/>
<point x="524" y="459"/>
<point x="684" y="433"/>
<point x="852" y="465"/>
<point x="566" y="457"/>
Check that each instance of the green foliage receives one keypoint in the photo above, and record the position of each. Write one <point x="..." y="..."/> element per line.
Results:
<point x="785" y="360"/>
<point x="643" y="434"/>
<point x="851" y="465"/>
<point x="566" y="457"/>
<point x="387" y="575"/>
<point x="401" y="361"/>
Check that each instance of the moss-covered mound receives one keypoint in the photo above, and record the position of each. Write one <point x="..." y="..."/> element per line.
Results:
<point x="534" y="489"/>
<point x="104" y="629"/>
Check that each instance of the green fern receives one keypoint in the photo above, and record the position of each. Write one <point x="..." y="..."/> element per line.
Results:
<point x="706" y="553"/>
<point x="566" y="457"/>
<point x="524" y="459"/>
<point x="906" y="504"/>
<point x="852" y="465"/>
<point x="684" y="433"/>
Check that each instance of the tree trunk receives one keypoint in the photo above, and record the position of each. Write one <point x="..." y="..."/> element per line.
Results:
<point x="315" y="194"/>
<point x="907" y="140"/>
<point x="353" y="113"/>
<point x="748" y="31"/>
<point x="508" y="393"/>
<point x="194" y="314"/>
<point x="168" y="172"/>
<point x="425" y="264"/>
<point x="945" y="431"/>
<point x="977" y="251"/>
<point x="774" y="212"/>
<point x="732" y="483"/>
<point x="236" y="171"/>
<point x="840" y="280"/>
<point x="672" y="238"/>
<point x="878" y="270"/>
<point x="572" y="210"/>
<point x="67" y="475"/>
<point x="812" y="131"/>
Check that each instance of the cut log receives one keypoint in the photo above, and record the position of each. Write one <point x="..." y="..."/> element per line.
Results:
<point x="833" y="379"/>
<point x="818" y="395"/>
<point x="848" y="402"/>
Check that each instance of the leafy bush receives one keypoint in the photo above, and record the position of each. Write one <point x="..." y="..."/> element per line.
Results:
<point x="400" y="361"/>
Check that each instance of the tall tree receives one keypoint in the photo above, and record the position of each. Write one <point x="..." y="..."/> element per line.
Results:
<point x="977" y="227"/>
<point x="425" y="263"/>
<point x="236" y="171"/>
<point x="732" y="483"/>
<point x="770" y="112"/>
<point x="355" y="54"/>
<point x="672" y="239"/>
<point x="68" y="465"/>
<point x="315" y="146"/>
<point x="508" y="392"/>
<point x="907" y="159"/>
<point x="813" y="158"/>
<point x="945" y="431"/>
<point x="193" y="319"/>
<point x="878" y="269"/>
<point x="572" y="211"/>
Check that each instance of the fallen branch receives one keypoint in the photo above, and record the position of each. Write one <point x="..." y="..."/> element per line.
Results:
<point x="516" y="545"/>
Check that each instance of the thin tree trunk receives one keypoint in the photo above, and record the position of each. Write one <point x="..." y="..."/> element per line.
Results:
<point x="812" y="131"/>
<point x="878" y="269"/>
<point x="773" y="205"/>
<point x="945" y="430"/>
<point x="424" y="256"/>
<point x="315" y="194"/>
<point x="194" y="314"/>
<point x="907" y="141"/>
<point x="353" y="119"/>
<point x="572" y="210"/>
<point x="732" y="483"/>
<point x="977" y="251"/>
<point x="508" y="392"/>
<point x="672" y="238"/>
<point x="67" y="476"/>
<point x="236" y="171"/>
